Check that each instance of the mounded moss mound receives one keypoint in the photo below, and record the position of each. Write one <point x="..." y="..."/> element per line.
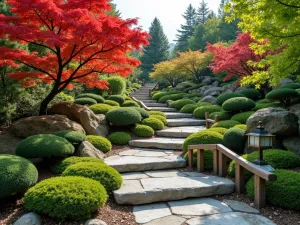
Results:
<point x="200" y="111"/>
<point x="277" y="158"/>
<point x="172" y="97"/>
<point x="101" y="143"/>
<point x="224" y="97"/>
<point x="161" y="118"/>
<point x="85" y="101"/>
<point x="262" y="105"/>
<point x="61" y="166"/>
<point x="220" y="130"/>
<point x="234" y="139"/>
<point x="226" y="124"/>
<point x="156" y="113"/>
<point x="156" y="96"/>
<point x="238" y="104"/>
<point x="208" y="159"/>
<point x="291" y="86"/>
<point x="101" y="108"/>
<point x="221" y="115"/>
<point x="124" y="116"/>
<point x="143" y="131"/>
<point x="189" y="108"/>
<point x="242" y="117"/>
<point x="98" y="98"/>
<point x="156" y="124"/>
<point x="44" y="145"/>
<point x="16" y="174"/>
<point x="182" y="102"/>
<point x="104" y="174"/>
<point x="251" y="93"/>
<point x="116" y="84"/>
<point x="66" y="197"/>
<point x="74" y="137"/>
<point x="284" y="192"/>
<point x="130" y="103"/>
<point x="117" y="98"/>
<point x="241" y="126"/>
<point x="144" y="113"/>
<point x="203" y="137"/>
<point x="111" y="102"/>
<point x="119" y="138"/>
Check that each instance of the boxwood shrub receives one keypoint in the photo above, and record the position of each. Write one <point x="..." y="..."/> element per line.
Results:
<point x="44" y="145"/>
<point x="266" y="105"/>
<point x="96" y="97"/>
<point x="242" y="117"/>
<point x="200" y="111"/>
<point x="66" y="197"/>
<point x="156" y="124"/>
<point x="101" y="143"/>
<point x="119" y="138"/>
<point x="220" y="130"/>
<point x="110" y="178"/>
<point x="234" y="139"/>
<point x="117" y="85"/>
<point x="124" y="116"/>
<point x="223" y="97"/>
<point x="277" y="158"/>
<point x="130" y="103"/>
<point x="172" y="97"/>
<point x="291" y="86"/>
<point x="182" y="102"/>
<point x="251" y="93"/>
<point x="16" y="174"/>
<point x="208" y="159"/>
<point x="156" y="113"/>
<point x="161" y="118"/>
<point x="143" y="131"/>
<point x="144" y="113"/>
<point x="221" y="115"/>
<point x="117" y="98"/>
<point x="85" y="101"/>
<point x="238" y="104"/>
<point x="158" y="95"/>
<point x="189" y="108"/>
<point x="111" y="102"/>
<point x="74" y="137"/>
<point x="62" y="165"/>
<point x="241" y="126"/>
<point x="284" y="192"/>
<point x="226" y="124"/>
<point x="101" y="108"/>
<point x="284" y="95"/>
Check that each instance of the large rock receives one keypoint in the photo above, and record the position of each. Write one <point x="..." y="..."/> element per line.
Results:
<point x="295" y="109"/>
<point x="292" y="144"/>
<point x="29" y="219"/>
<point x="147" y="213"/>
<point x="44" y="125"/>
<point x="211" y="90"/>
<point x="94" y="222"/>
<point x="86" y="149"/>
<point x="285" y="81"/>
<point x="208" y="80"/>
<point x="93" y="124"/>
<point x="276" y="121"/>
<point x="210" y="99"/>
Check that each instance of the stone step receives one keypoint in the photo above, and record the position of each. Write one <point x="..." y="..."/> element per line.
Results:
<point x="160" y="143"/>
<point x="149" y="101"/>
<point x="162" y="109"/>
<point x="142" y="98"/>
<point x="174" y="115"/>
<point x="143" y="159"/>
<point x="158" y="186"/>
<point x="150" y="104"/>
<point x="184" y="122"/>
<point x="179" y="132"/>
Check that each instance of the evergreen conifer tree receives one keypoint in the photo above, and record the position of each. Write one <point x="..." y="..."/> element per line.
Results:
<point x="202" y="12"/>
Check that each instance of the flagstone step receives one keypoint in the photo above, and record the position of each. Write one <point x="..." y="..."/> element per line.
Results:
<point x="149" y="101"/>
<point x="159" y="142"/>
<point x="184" y="122"/>
<point x="174" y="115"/>
<point x="162" y="109"/>
<point x="155" y="104"/>
<point x="171" y="185"/>
<point x="179" y="132"/>
<point x="142" y="98"/>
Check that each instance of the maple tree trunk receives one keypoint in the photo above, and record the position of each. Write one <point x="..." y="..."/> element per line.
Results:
<point x="47" y="100"/>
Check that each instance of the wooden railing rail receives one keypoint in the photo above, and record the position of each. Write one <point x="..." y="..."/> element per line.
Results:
<point x="153" y="89"/>
<point x="210" y="122"/>
<point x="140" y="103"/>
<point x="220" y="153"/>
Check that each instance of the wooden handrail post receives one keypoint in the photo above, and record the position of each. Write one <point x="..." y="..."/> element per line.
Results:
<point x="216" y="119"/>
<point x="215" y="161"/>
<point x="200" y="160"/>
<point x="239" y="179"/>
<point x="222" y="164"/>
<point x="150" y="91"/>
<point x="190" y="159"/>
<point x="259" y="192"/>
<point x="206" y="120"/>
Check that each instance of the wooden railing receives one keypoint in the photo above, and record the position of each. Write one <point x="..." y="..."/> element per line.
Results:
<point x="140" y="103"/>
<point x="153" y="89"/>
<point x="210" y="122"/>
<point x="220" y="153"/>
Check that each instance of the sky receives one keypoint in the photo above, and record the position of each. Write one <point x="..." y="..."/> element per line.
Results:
<point x="169" y="12"/>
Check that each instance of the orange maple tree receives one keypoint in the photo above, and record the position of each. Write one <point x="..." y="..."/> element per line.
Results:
<point x="81" y="41"/>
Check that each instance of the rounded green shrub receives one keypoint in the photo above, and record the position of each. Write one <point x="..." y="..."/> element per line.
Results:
<point x="189" y="108"/>
<point x="62" y="165"/>
<point x="284" y="95"/>
<point x="251" y="93"/>
<point x="85" y="101"/>
<point x="158" y="95"/>
<point x="74" y="137"/>
<point x="16" y="174"/>
<point x="101" y="143"/>
<point x="241" y="126"/>
<point x="117" y="98"/>
<point x="234" y="139"/>
<point x="143" y="131"/>
<point x="66" y="197"/>
<point x="104" y="174"/>
<point x="144" y="113"/>
<point x="111" y="102"/>
<point x="221" y="115"/>
<point x="224" y="97"/>
<point x="124" y="116"/>
<point x="284" y="192"/>
<point x="226" y="124"/>
<point x="200" y="111"/>
<point x="130" y="103"/>
<point x="220" y="130"/>
<point x="238" y="104"/>
<point x="101" y="108"/>
<point x="182" y="102"/>
<point x="44" y="145"/>
<point x="156" y="113"/>
<point x="203" y="137"/>
<point x="119" y="138"/>
<point x="96" y="97"/>
<point x="266" y="105"/>
<point x="156" y="124"/>
<point x="208" y="159"/>
<point x="291" y="86"/>
<point x="277" y="158"/>
<point x="116" y="84"/>
<point x="242" y="117"/>
<point x="172" y="97"/>
<point x="161" y="118"/>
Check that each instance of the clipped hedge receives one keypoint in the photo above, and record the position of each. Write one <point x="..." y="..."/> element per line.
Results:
<point x="101" y="143"/>
<point x="222" y="115"/>
<point x="220" y="130"/>
<point x="143" y="131"/>
<point x="116" y="84"/>
<point x="111" y="102"/>
<point x="156" y="113"/>
<point x="161" y="118"/>
<point x="96" y="97"/>
<point x="291" y="86"/>
<point x="144" y="113"/>
<point x="182" y="102"/>
<point x="66" y="197"/>
<point x="110" y="178"/>
<point x="284" y="95"/>
<point x="226" y="124"/>
<point x="234" y="139"/>
<point x="266" y="105"/>
<point x="238" y="104"/>
<point x="44" y="145"/>
<point x="158" y="95"/>
<point x="200" y="111"/>
<point x="251" y="93"/>
<point x="16" y="174"/>
<point x="241" y="126"/>
<point x="119" y="138"/>
<point x="74" y="137"/>
<point x="172" y="97"/>
<point x="156" y="124"/>
<point x="85" y="101"/>
<point x="208" y="159"/>
<point x="101" y="108"/>
<point x="189" y="108"/>
<point x="242" y="117"/>
<point x="124" y="116"/>
<point x="130" y="103"/>
<point x="224" y="97"/>
<point x="117" y="98"/>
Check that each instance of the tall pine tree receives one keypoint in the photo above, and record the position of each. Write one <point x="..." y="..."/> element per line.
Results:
<point x="157" y="51"/>
<point x="202" y="12"/>
<point x="187" y="29"/>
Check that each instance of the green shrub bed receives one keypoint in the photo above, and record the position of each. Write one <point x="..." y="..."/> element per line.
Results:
<point x="98" y="98"/>
<point x="156" y="113"/>
<point x="144" y="113"/>
<point x="130" y="103"/>
<point x="234" y="139"/>
<point x="238" y="104"/>
<point x="200" y="111"/>
<point x="101" y="108"/>
<point x="117" y="98"/>
<point x="189" y="108"/>
<point x="224" y="97"/>
<point x="172" y="97"/>
<point x="241" y="126"/>
<point x="111" y="102"/>
<point x="242" y="117"/>
<point x="182" y="102"/>
<point x="117" y="85"/>
<point x="220" y="130"/>
<point x="251" y="93"/>
<point x="85" y="101"/>
<point x="221" y="115"/>
<point x="156" y="124"/>
<point x="143" y="131"/>
<point x="161" y="118"/>
<point x="124" y="116"/>
<point x="226" y="124"/>
<point x="119" y="138"/>
<point x="156" y="96"/>
<point x="66" y="197"/>
<point x="208" y="159"/>
<point x="291" y="86"/>
<point x="74" y="137"/>
<point x="101" y="143"/>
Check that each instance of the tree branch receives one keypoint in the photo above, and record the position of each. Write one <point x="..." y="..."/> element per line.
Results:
<point x="36" y="68"/>
<point x="288" y="5"/>
<point x="279" y="36"/>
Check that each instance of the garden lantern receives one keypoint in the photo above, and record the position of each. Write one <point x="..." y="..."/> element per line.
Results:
<point x="260" y="139"/>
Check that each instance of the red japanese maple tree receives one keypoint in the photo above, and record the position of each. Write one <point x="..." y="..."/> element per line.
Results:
<point x="82" y="41"/>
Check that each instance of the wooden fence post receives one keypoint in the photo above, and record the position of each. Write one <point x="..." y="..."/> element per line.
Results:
<point x="259" y="192"/>
<point x="239" y="179"/>
<point x="206" y="120"/>
<point x="215" y="161"/>
<point x="190" y="159"/>
<point x="200" y="160"/>
<point x="222" y="164"/>
<point x="216" y="119"/>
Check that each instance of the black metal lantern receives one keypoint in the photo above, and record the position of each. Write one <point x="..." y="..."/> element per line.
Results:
<point x="260" y="139"/>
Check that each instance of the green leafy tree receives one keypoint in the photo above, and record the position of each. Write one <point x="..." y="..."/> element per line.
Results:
<point x="202" y="12"/>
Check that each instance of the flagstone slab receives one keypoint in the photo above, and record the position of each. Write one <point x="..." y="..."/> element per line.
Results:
<point x="240" y="206"/>
<point x="155" y="104"/>
<point x="168" y="220"/>
<point x="179" y="132"/>
<point x="165" y="173"/>
<point x="174" y="115"/>
<point x="162" y="109"/>
<point x="184" y="122"/>
<point x="147" y="213"/>
<point x="134" y="176"/>
<point x="159" y="142"/>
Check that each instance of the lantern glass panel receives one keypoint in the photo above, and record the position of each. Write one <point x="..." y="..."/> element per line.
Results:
<point x="254" y="141"/>
<point x="266" y="142"/>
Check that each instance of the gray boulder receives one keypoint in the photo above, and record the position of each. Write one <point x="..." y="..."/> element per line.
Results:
<point x="86" y="149"/>
<point x="29" y="219"/>
<point x="94" y="222"/>
<point x="211" y="90"/>
<point x="295" y="109"/>
<point x="292" y="144"/>
<point x="285" y="81"/>
<point x="210" y="99"/>
<point x="276" y="121"/>
<point x="208" y="80"/>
